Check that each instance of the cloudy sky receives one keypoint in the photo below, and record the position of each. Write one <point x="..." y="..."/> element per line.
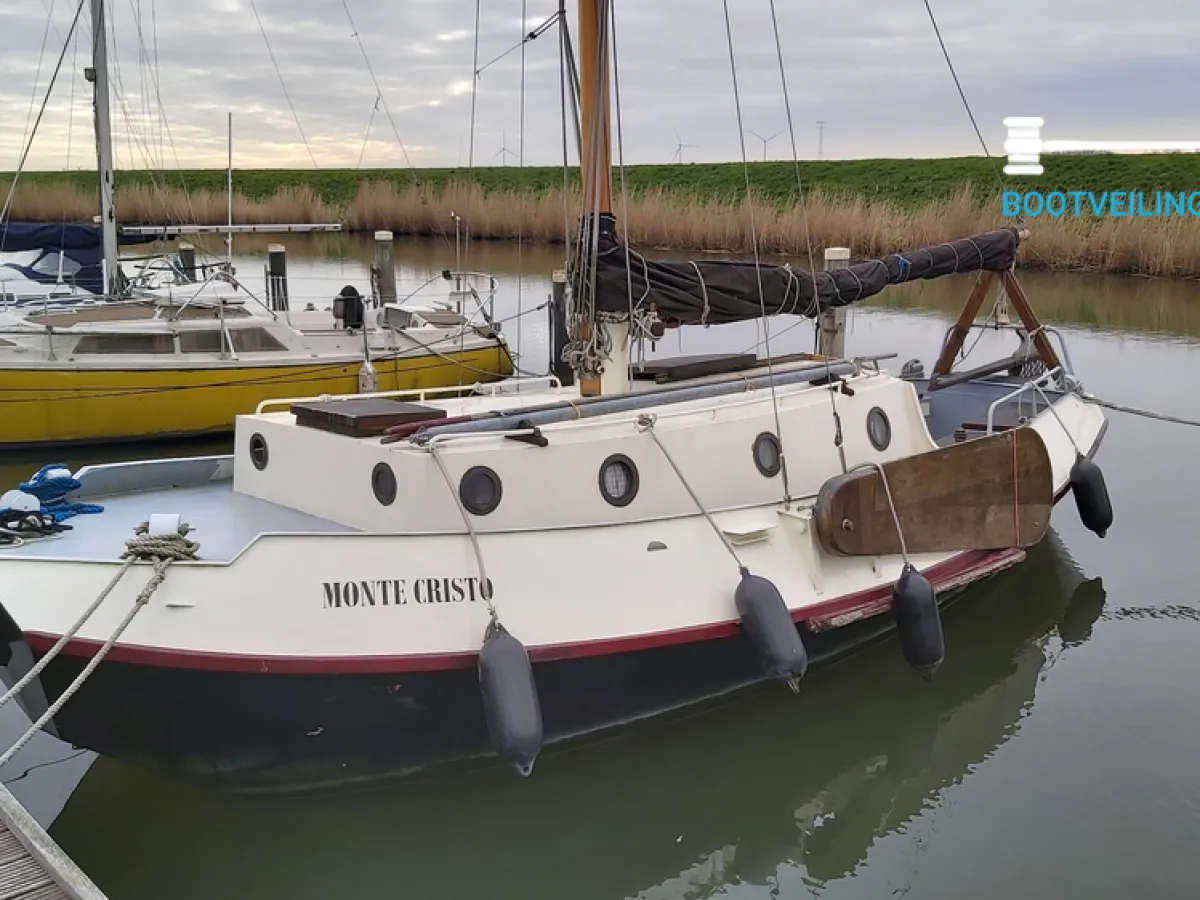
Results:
<point x="872" y="69"/>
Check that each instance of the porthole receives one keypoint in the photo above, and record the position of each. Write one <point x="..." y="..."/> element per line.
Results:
<point x="383" y="483"/>
<point x="768" y="454"/>
<point x="258" y="451"/>
<point x="879" y="429"/>
<point x="619" y="480"/>
<point x="480" y="490"/>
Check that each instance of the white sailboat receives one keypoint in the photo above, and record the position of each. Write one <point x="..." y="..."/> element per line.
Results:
<point x="384" y="586"/>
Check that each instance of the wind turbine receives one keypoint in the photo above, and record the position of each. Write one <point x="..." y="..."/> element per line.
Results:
<point x="679" y="145"/>
<point x="766" y="140"/>
<point x="503" y="152"/>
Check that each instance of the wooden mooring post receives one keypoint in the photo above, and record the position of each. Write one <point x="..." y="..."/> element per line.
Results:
<point x="32" y="865"/>
<point x="831" y="324"/>
<point x="277" y="284"/>
<point x="384" y="267"/>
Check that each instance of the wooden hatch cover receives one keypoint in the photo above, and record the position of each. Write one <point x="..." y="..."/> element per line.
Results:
<point x="990" y="493"/>
<point x="362" y="417"/>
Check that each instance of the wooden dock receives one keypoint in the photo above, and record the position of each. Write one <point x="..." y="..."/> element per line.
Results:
<point x="32" y="866"/>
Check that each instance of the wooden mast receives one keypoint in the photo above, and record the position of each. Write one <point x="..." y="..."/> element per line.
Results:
<point x="595" y="152"/>
<point x="595" y="128"/>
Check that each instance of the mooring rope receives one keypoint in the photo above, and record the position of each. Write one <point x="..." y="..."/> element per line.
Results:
<point x="1133" y="411"/>
<point x="162" y="550"/>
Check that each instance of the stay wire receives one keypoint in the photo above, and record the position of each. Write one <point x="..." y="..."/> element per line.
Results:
<point x="283" y="84"/>
<point x="525" y="39"/>
<point x="624" y="190"/>
<point x="787" y="494"/>
<point x="12" y="187"/>
<point x="474" y="89"/>
<point x="378" y="92"/>
<point x="520" y="186"/>
<point x="1020" y="219"/>
<point x="815" y="309"/>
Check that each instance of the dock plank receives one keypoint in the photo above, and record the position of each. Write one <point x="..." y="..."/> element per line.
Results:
<point x="32" y="865"/>
<point x="21" y="876"/>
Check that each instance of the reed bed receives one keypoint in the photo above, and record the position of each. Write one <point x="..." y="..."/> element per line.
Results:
<point x="666" y="219"/>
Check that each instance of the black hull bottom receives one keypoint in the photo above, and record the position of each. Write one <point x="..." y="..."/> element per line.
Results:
<point x="271" y="732"/>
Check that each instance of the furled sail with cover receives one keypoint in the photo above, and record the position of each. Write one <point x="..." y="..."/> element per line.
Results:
<point x="716" y="291"/>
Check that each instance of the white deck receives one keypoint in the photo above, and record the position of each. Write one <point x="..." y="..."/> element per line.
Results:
<point x="224" y="522"/>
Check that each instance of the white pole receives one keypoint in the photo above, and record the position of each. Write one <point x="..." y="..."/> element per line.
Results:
<point x="229" y="197"/>
<point x="104" y="151"/>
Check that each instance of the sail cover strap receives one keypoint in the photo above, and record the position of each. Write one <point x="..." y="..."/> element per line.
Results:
<point x="718" y="291"/>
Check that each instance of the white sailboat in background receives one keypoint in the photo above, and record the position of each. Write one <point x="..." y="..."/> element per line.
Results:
<point x="382" y="586"/>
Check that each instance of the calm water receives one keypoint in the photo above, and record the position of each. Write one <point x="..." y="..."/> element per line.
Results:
<point x="1053" y="756"/>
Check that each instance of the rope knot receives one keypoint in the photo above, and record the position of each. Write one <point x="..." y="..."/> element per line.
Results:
<point x="162" y="547"/>
<point x="646" y="421"/>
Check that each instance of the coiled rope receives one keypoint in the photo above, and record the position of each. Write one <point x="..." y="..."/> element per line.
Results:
<point x="162" y="550"/>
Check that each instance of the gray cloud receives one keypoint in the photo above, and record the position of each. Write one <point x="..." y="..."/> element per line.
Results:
<point x="871" y="68"/>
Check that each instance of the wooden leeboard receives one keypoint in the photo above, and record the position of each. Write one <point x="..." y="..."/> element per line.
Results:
<point x="985" y="494"/>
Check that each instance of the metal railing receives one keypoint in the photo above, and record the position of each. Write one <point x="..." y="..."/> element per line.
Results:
<point x="420" y="394"/>
<point x="1031" y="385"/>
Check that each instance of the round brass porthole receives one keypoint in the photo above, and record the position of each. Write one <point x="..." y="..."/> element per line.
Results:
<point x="259" y="454"/>
<point x="383" y="483"/>
<point x="480" y="490"/>
<point x="879" y="429"/>
<point x="768" y="454"/>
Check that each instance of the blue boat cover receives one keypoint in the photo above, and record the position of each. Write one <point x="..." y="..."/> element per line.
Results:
<point x="80" y="242"/>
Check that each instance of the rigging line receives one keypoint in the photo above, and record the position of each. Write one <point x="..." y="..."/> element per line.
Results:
<point x="562" y="103"/>
<point x="12" y="187"/>
<point x="937" y="31"/>
<point x="378" y="91"/>
<point x="367" y="136"/>
<point x="162" y="157"/>
<point x="521" y="182"/>
<point x="283" y="84"/>
<point x="37" y="76"/>
<point x="526" y="38"/>
<point x="171" y="140"/>
<point x="474" y="89"/>
<point x="737" y="102"/>
<point x="612" y="15"/>
<point x="787" y="104"/>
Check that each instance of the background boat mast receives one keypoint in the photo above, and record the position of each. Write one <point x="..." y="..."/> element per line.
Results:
<point x="104" y="153"/>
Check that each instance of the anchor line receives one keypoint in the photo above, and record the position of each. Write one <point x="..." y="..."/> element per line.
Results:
<point x="162" y="550"/>
<point x="1134" y="411"/>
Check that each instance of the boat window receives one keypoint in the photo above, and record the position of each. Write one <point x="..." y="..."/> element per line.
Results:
<point x="50" y="262"/>
<point x="254" y="340"/>
<point x="125" y="343"/>
<point x="200" y="341"/>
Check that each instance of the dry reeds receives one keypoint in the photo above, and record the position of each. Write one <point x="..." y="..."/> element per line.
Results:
<point x="664" y="219"/>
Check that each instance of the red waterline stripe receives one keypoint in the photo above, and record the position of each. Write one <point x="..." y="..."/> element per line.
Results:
<point x="952" y="573"/>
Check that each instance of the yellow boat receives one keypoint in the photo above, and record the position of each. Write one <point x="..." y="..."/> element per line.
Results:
<point x="93" y="375"/>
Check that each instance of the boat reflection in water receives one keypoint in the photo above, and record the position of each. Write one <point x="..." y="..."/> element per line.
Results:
<point x="673" y="809"/>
